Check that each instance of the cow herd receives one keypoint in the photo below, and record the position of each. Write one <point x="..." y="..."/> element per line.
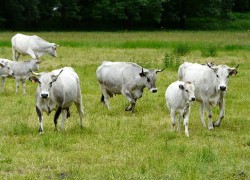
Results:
<point x="59" y="89"/>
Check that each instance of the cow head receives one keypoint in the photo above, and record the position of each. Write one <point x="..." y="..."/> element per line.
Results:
<point x="222" y="73"/>
<point x="188" y="89"/>
<point x="45" y="81"/>
<point x="149" y="77"/>
<point x="52" y="49"/>
<point x="5" y="70"/>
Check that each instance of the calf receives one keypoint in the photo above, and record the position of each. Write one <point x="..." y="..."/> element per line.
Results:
<point x="58" y="90"/>
<point x="178" y="97"/>
<point x="21" y="71"/>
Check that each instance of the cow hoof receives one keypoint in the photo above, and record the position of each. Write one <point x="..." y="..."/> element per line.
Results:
<point x="128" y="109"/>
<point x="216" y="124"/>
<point x="210" y="127"/>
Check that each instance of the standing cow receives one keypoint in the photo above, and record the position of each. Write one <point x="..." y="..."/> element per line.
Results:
<point x="5" y="70"/>
<point x="58" y="90"/>
<point x="32" y="45"/>
<point x="128" y="79"/>
<point x="178" y="98"/>
<point x="21" y="71"/>
<point x="210" y="87"/>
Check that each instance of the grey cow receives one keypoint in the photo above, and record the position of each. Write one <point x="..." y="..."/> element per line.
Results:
<point x="21" y="71"/>
<point x="5" y="69"/>
<point x="210" y="87"/>
<point x="31" y="45"/>
<point x="126" y="78"/>
<point x="58" y="90"/>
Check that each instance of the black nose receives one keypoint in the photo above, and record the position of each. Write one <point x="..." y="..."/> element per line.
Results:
<point x="193" y="98"/>
<point x="223" y="88"/>
<point x="44" y="96"/>
<point x="154" y="91"/>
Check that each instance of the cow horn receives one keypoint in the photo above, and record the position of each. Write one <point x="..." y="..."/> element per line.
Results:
<point x="58" y="73"/>
<point x="156" y="71"/>
<point x="36" y="74"/>
<point x="237" y="66"/>
<point x="209" y="65"/>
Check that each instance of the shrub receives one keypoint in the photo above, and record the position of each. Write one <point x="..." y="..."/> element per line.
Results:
<point x="170" y="60"/>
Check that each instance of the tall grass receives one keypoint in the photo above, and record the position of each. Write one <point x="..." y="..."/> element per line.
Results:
<point x="114" y="144"/>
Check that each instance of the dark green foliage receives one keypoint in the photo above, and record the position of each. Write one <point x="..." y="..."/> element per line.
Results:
<point x="116" y="15"/>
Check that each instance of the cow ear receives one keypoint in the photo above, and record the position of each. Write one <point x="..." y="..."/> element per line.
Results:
<point x="1" y="65"/>
<point x="34" y="79"/>
<point x="38" y="61"/>
<point x="142" y="73"/>
<point x="232" y="71"/>
<point x="181" y="87"/>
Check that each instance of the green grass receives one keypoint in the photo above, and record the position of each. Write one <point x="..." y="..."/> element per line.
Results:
<point x="113" y="144"/>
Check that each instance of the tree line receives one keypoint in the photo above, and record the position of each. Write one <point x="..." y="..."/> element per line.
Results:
<point x="114" y="14"/>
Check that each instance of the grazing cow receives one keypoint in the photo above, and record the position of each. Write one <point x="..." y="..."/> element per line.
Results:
<point x="21" y="71"/>
<point x="32" y="45"/>
<point x="57" y="90"/>
<point x="5" y="69"/>
<point x="178" y="98"/>
<point x="210" y="86"/>
<point x="128" y="79"/>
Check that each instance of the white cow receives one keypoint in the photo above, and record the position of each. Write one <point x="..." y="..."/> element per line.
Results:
<point x="58" y="90"/>
<point x="178" y="96"/>
<point x="21" y="71"/>
<point x="210" y="86"/>
<point x="5" y="69"/>
<point x="128" y="79"/>
<point x="32" y="45"/>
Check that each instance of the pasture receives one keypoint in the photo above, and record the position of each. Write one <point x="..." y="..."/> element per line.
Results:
<point x="113" y="144"/>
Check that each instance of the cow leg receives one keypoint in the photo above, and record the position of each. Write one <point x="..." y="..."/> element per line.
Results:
<point x="17" y="83"/>
<point x="105" y="97"/>
<point x="179" y="122"/>
<point x="202" y="114"/>
<point x="40" y="119"/>
<point x="80" y="110"/>
<point x="3" y="83"/>
<point x="131" y="100"/>
<point x="57" y="114"/>
<point x="68" y="113"/>
<point x="209" y="114"/>
<point x="24" y="86"/>
<point x="64" y="117"/>
<point x="186" y="119"/>
<point x="13" y="54"/>
<point x="222" y="113"/>
<point x="172" y="114"/>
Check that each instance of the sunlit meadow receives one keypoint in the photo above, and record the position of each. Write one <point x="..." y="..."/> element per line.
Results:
<point x="113" y="143"/>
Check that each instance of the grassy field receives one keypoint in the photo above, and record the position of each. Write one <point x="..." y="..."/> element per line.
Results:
<point x="113" y="144"/>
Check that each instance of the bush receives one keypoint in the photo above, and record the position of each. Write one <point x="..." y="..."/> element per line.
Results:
<point x="170" y="60"/>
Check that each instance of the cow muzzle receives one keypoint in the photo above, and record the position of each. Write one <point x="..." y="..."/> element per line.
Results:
<point x="223" y="88"/>
<point x="193" y="99"/>
<point x="153" y="90"/>
<point x="44" y="95"/>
